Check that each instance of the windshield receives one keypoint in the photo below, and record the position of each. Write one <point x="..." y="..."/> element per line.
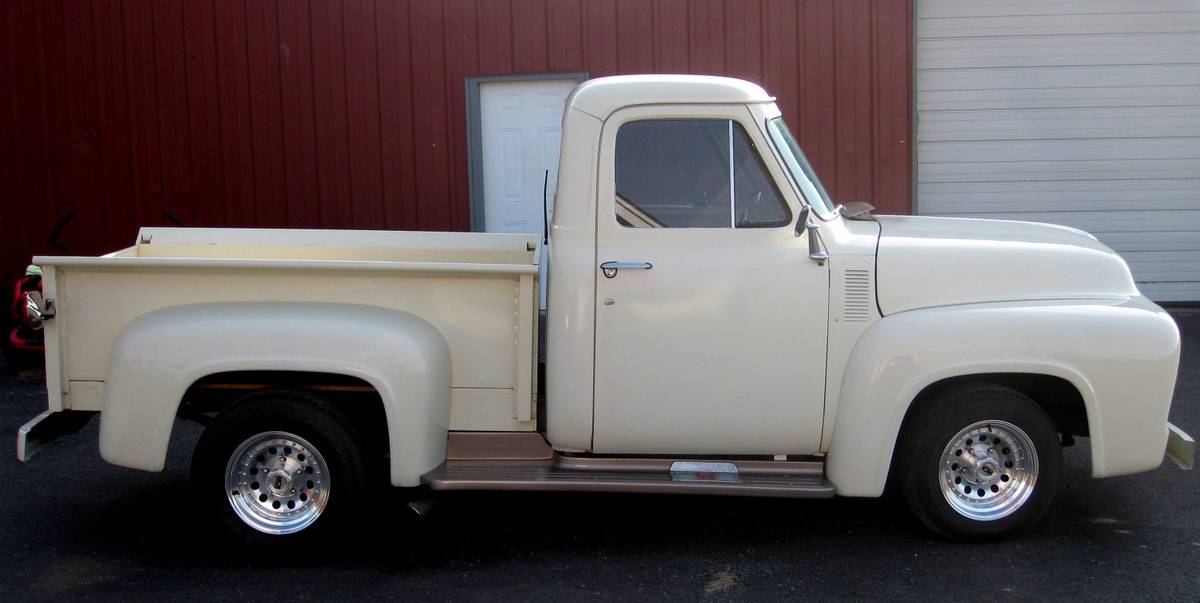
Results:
<point x="799" y="167"/>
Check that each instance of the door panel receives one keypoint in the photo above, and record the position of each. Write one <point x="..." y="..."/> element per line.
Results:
<point x="719" y="347"/>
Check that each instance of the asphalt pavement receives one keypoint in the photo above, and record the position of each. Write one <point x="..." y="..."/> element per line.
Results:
<point x="72" y="526"/>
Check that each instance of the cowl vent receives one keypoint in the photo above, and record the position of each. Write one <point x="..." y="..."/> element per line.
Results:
<point x="856" y="297"/>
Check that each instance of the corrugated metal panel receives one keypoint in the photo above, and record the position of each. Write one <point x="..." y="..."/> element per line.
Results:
<point x="1078" y="113"/>
<point x="321" y="113"/>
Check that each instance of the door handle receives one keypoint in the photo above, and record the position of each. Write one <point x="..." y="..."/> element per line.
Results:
<point x="610" y="268"/>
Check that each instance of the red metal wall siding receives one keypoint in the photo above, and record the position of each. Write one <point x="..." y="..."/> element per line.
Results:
<point x="312" y="113"/>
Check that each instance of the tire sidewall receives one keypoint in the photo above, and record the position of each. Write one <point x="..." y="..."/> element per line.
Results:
<point x="328" y="435"/>
<point x="927" y="443"/>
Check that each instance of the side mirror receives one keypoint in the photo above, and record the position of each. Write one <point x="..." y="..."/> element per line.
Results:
<point x="804" y="226"/>
<point x="802" y="223"/>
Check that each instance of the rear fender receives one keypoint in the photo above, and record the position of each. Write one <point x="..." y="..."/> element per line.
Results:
<point x="160" y="355"/>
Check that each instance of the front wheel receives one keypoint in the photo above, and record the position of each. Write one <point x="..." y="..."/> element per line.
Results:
<point x="980" y="462"/>
<point x="279" y="466"/>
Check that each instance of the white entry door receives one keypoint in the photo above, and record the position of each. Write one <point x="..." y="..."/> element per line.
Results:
<point x="521" y="127"/>
<point x="521" y="123"/>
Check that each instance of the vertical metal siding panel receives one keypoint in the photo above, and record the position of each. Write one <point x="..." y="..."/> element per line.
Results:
<point x="299" y="152"/>
<point x="429" y="109"/>
<point x="33" y="216"/>
<point x="671" y="36"/>
<point x="529" y="36"/>
<point x="237" y="156"/>
<point x="780" y="69"/>
<point x="635" y="36"/>
<point x="204" y="128"/>
<point x="396" y="116"/>
<point x="495" y="37"/>
<point x="462" y="61"/>
<point x="706" y="40"/>
<point x="816" y="124"/>
<point x="743" y="39"/>
<point x="266" y="125"/>
<point x="143" y="112"/>
<point x="170" y="71"/>
<point x="120" y="222"/>
<point x="362" y="93"/>
<point x="80" y="158"/>
<point x="851" y="182"/>
<point x="55" y="139"/>
<point x="600" y="21"/>
<point x="565" y="36"/>
<point x="9" y="158"/>
<point x="893" y="94"/>
<point x="330" y="107"/>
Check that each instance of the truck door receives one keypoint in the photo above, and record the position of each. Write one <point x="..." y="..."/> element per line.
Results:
<point x="710" y="316"/>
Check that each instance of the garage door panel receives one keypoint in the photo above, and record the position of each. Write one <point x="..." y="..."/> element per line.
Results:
<point x="1027" y="8"/>
<point x="1051" y="124"/>
<point x="973" y="205"/>
<point x="1164" y="241"/>
<point x="929" y="101"/>
<point x="1099" y="223"/>
<point x="1185" y="188"/>
<point x="1102" y="172"/>
<point x="1081" y="113"/>
<point x="1059" y="150"/>
<point x="1170" y="292"/>
<point x="1057" y="51"/>
<point x="934" y="28"/>
<point x="1084" y="77"/>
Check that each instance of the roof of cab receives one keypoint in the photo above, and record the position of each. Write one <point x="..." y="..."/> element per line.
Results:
<point x="601" y="96"/>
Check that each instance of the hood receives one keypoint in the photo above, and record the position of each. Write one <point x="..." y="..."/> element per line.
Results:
<point x="925" y="262"/>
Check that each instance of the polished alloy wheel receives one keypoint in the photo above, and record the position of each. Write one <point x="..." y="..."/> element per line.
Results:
<point x="988" y="470"/>
<point x="277" y="483"/>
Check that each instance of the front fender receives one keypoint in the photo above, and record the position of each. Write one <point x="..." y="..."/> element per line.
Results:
<point x="1121" y="356"/>
<point x="160" y="355"/>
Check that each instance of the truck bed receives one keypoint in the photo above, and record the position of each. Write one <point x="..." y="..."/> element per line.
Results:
<point x="479" y="290"/>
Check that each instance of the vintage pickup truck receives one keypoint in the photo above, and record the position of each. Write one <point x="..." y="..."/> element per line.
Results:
<point x="715" y="325"/>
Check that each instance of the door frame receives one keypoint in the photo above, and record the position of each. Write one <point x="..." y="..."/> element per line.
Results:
<point x="475" y="132"/>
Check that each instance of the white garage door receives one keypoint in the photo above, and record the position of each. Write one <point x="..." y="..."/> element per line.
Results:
<point x="1076" y="112"/>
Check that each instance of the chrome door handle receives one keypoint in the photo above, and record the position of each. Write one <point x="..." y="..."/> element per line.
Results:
<point x="610" y="268"/>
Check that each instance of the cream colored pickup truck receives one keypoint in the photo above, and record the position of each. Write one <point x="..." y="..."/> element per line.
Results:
<point x="716" y="325"/>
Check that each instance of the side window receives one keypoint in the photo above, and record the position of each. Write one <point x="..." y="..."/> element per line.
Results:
<point x="693" y="173"/>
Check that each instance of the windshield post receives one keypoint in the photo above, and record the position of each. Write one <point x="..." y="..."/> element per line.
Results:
<point x="800" y="169"/>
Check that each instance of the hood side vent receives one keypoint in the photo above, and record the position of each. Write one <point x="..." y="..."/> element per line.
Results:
<point x="856" y="296"/>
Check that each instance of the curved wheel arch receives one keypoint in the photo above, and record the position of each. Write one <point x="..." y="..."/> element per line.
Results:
<point x="162" y="354"/>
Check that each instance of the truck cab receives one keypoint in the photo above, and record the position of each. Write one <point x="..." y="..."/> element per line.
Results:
<point x="693" y="198"/>
<point x="715" y="324"/>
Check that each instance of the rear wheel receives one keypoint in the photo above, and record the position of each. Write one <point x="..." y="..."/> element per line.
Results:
<point x="979" y="462"/>
<point x="279" y="466"/>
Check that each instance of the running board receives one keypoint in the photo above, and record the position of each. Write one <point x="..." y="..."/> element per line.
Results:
<point x="788" y="479"/>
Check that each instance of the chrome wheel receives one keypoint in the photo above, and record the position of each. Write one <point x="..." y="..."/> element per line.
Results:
<point x="277" y="483"/>
<point x="988" y="470"/>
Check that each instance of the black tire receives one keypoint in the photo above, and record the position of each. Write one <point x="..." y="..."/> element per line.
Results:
<point x="309" y="418"/>
<point x="924" y="449"/>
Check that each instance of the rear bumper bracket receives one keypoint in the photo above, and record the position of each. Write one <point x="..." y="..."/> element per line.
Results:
<point x="47" y="427"/>
<point x="1181" y="448"/>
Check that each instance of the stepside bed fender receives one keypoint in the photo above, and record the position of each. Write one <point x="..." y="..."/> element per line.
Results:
<point x="159" y="355"/>
<point x="1120" y="356"/>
